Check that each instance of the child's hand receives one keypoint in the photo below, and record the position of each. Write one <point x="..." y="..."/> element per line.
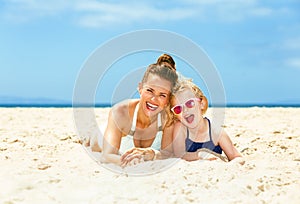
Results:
<point x="207" y="154"/>
<point x="239" y="160"/>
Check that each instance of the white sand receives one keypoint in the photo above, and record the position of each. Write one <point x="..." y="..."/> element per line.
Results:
<point x="42" y="161"/>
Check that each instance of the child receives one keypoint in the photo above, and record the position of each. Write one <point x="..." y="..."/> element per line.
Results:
<point x="194" y="133"/>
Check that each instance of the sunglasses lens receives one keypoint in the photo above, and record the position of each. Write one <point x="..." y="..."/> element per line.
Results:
<point x="190" y="103"/>
<point x="177" y="109"/>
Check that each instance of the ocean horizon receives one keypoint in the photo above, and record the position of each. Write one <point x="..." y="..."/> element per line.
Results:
<point x="42" y="102"/>
<point x="108" y="105"/>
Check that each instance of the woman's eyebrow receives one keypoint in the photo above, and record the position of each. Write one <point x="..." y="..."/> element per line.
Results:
<point x="148" y="87"/>
<point x="163" y="93"/>
<point x="157" y="91"/>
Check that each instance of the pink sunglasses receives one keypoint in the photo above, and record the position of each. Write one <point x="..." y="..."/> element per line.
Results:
<point x="190" y="103"/>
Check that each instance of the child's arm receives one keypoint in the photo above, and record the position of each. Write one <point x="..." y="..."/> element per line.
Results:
<point x="191" y="156"/>
<point x="229" y="149"/>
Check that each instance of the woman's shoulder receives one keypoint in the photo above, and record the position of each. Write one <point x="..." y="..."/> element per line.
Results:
<point x="125" y="105"/>
<point x="124" y="109"/>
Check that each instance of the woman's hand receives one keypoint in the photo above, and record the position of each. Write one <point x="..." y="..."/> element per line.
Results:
<point x="137" y="155"/>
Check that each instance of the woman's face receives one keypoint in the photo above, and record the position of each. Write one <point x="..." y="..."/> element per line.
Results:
<point x="187" y="108"/>
<point x="155" y="93"/>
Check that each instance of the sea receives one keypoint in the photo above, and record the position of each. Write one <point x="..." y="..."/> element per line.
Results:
<point x="107" y="105"/>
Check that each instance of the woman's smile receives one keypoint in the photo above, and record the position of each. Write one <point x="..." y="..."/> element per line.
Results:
<point x="151" y="106"/>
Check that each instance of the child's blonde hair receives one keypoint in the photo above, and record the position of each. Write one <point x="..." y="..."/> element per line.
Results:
<point x="182" y="85"/>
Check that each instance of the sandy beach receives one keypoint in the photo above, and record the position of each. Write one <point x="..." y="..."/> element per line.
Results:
<point x="42" y="161"/>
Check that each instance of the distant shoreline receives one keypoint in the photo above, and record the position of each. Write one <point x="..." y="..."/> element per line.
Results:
<point x="68" y="105"/>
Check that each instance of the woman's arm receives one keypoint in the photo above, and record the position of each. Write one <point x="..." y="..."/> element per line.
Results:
<point x="148" y="154"/>
<point x="112" y="140"/>
<point x="166" y="144"/>
<point x="179" y="140"/>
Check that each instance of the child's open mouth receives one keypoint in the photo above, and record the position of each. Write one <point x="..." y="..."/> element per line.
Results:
<point x="190" y="118"/>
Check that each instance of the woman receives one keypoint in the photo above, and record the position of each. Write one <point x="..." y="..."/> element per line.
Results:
<point x="134" y="124"/>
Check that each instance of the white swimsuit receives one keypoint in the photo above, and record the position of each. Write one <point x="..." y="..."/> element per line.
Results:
<point x="127" y="141"/>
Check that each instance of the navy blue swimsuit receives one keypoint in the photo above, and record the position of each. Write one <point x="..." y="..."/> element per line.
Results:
<point x="191" y="146"/>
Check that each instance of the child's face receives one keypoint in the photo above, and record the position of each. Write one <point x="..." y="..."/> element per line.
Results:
<point x="155" y="94"/>
<point x="187" y="108"/>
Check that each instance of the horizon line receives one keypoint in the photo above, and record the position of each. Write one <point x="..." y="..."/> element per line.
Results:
<point x="103" y="105"/>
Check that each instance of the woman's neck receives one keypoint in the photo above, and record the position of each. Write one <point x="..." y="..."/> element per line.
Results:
<point x="143" y="120"/>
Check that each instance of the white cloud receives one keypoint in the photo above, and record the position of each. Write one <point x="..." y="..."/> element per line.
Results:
<point x="293" y="62"/>
<point x="261" y="11"/>
<point x="97" y="14"/>
<point x="93" y="13"/>
<point x="231" y="10"/>
<point x="292" y="44"/>
<point x="28" y="10"/>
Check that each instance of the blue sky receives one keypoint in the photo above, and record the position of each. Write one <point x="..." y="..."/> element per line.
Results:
<point x="255" y="45"/>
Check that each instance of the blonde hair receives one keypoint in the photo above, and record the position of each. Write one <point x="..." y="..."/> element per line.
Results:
<point x="182" y="85"/>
